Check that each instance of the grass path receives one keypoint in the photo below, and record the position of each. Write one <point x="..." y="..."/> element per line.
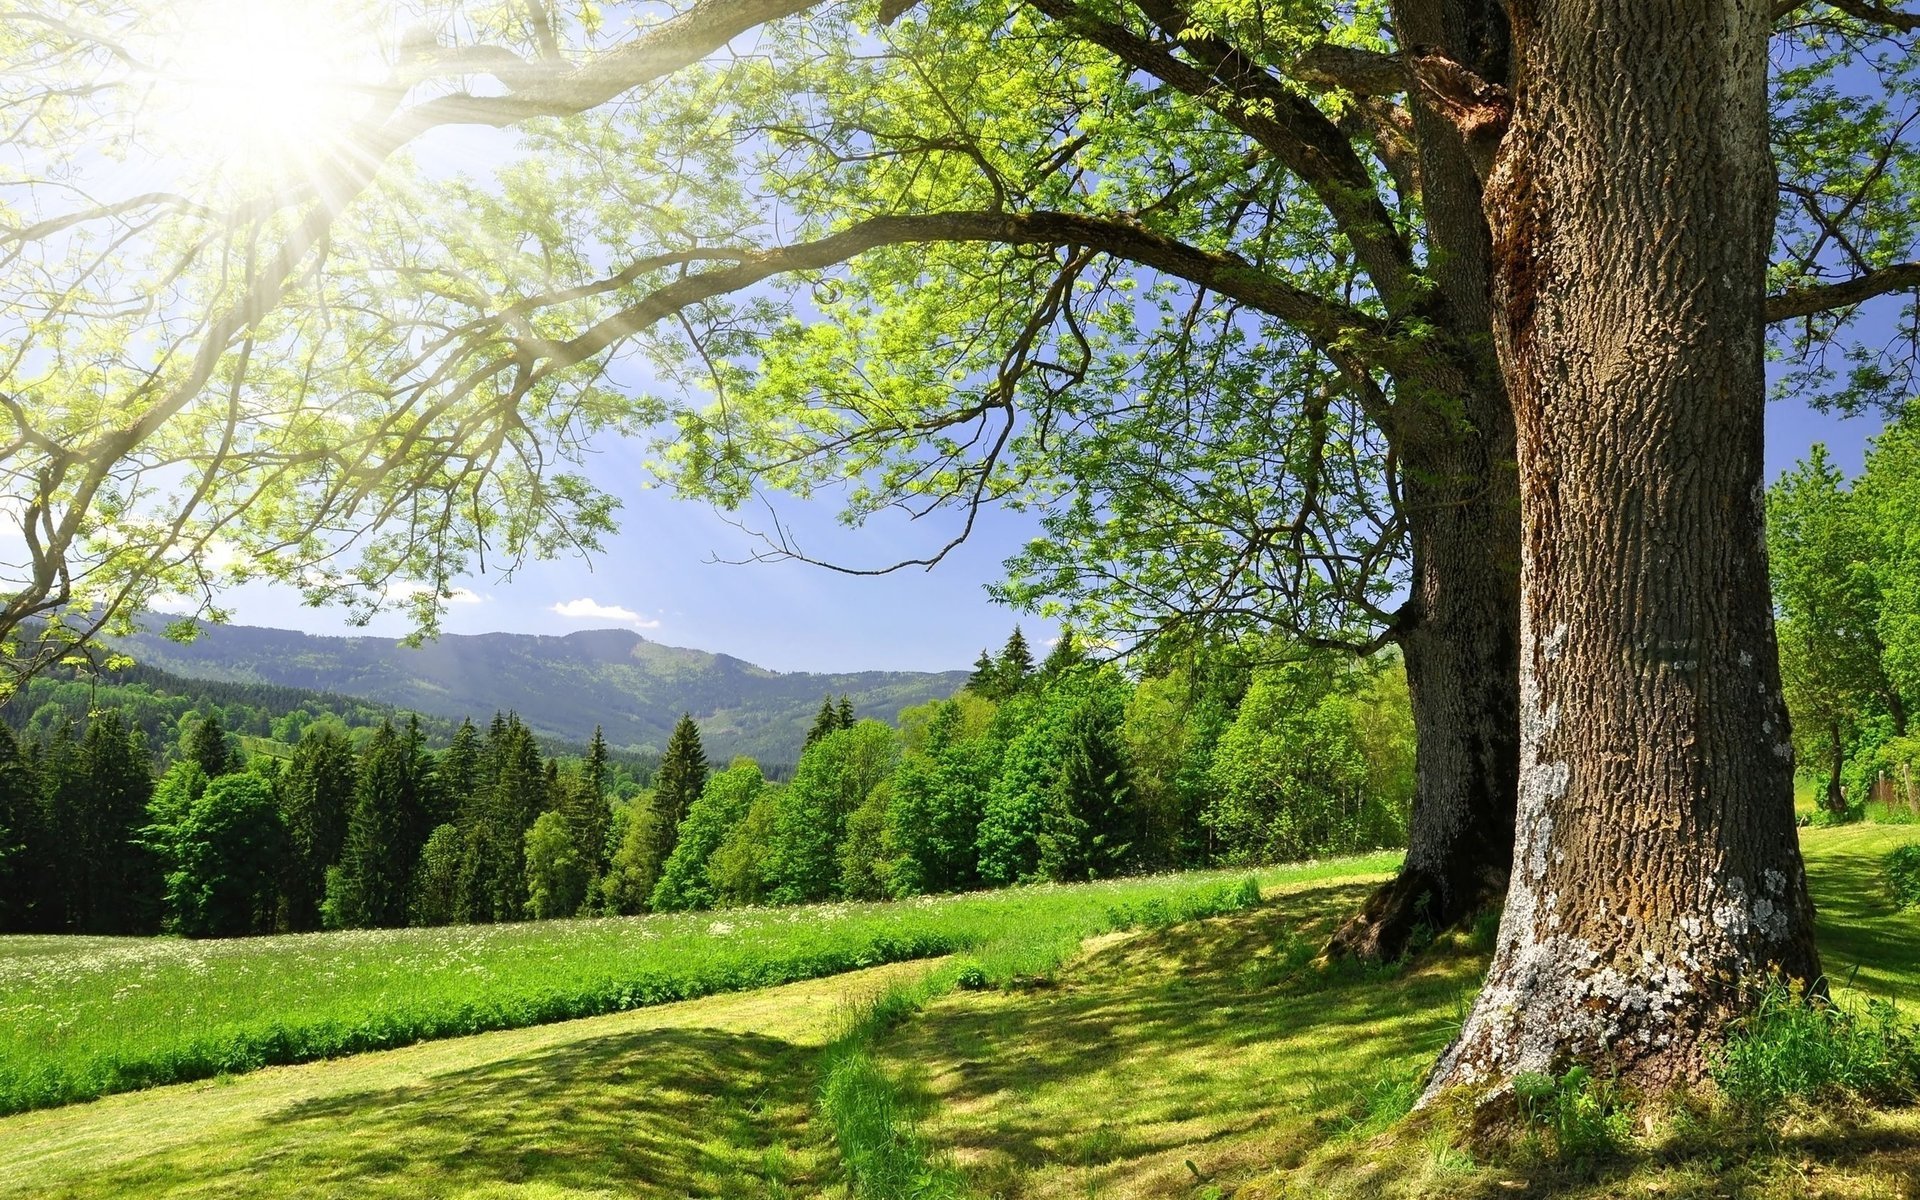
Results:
<point x="710" y="1097"/>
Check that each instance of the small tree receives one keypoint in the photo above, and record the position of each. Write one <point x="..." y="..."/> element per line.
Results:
<point x="723" y="804"/>
<point x="1015" y="665"/>
<point x="227" y="861"/>
<point x="556" y="875"/>
<point x="634" y="872"/>
<point x="676" y="785"/>
<point x="824" y="722"/>
<point x="436" y="880"/>
<point x="207" y="744"/>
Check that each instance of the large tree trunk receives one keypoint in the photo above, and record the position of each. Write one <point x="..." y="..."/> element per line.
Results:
<point x="1461" y="639"/>
<point x="1657" y="875"/>
<point x="1461" y="651"/>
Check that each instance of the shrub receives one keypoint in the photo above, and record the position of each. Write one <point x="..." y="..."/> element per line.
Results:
<point x="1903" y="875"/>
<point x="1792" y="1046"/>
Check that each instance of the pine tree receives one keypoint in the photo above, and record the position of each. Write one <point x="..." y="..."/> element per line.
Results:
<point x="676" y="785"/>
<point x="461" y="768"/>
<point x="21" y="841"/>
<point x="1015" y="665"/>
<point x="824" y="723"/>
<point x="370" y="888"/>
<point x="209" y="746"/>
<point x="1065" y="656"/>
<point x="846" y="719"/>
<point x="317" y="795"/>
<point x="119" y="876"/>
<point x="63" y="801"/>
<point x="587" y="812"/>
<point x="985" y="680"/>
<point x="495" y="885"/>
<point x="1088" y="828"/>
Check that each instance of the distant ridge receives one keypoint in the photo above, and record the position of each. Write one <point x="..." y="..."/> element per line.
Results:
<point x="562" y="685"/>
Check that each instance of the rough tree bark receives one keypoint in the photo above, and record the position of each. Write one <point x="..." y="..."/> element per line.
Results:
<point x="1657" y="872"/>
<point x="1461" y="636"/>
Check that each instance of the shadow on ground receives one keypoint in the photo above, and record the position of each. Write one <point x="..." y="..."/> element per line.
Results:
<point x="1174" y="1061"/>
<point x="672" y="1112"/>
<point x="1208" y="1061"/>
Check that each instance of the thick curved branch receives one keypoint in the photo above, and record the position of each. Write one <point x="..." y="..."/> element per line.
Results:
<point x="1351" y="69"/>
<point x="1328" y="322"/>
<point x="1819" y="298"/>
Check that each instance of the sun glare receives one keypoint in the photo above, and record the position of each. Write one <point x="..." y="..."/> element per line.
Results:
<point x="268" y="86"/>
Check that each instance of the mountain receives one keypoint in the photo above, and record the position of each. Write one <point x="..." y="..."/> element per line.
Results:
<point x="635" y="689"/>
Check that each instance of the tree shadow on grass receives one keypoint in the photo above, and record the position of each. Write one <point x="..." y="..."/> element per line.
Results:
<point x="666" y="1112"/>
<point x="1860" y="928"/>
<point x="1210" y="1043"/>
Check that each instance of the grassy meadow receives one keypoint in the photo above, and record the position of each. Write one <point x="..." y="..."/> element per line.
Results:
<point x="1201" y="1059"/>
<point x="84" y="1017"/>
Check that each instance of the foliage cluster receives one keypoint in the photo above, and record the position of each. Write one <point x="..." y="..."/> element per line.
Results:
<point x="1903" y="875"/>
<point x="1844" y="559"/>
<point x="1068" y="771"/>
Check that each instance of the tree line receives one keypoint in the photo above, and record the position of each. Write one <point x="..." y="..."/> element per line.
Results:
<point x="1069" y="770"/>
<point x="1845" y="558"/>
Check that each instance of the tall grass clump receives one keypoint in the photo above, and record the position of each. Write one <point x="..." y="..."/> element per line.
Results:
<point x="1793" y="1047"/>
<point x="112" y="1015"/>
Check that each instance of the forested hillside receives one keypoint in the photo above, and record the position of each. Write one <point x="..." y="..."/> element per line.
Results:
<point x="1062" y="771"/>
<point x="562" y="687"/>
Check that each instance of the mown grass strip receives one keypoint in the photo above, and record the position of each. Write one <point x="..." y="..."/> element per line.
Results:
<point x="117" y="1015"/>
<point x="884" y="1153"/>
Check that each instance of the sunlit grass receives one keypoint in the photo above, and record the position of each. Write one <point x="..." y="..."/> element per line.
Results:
<point x="1213" y="1060"/>
<point x="116" y="1014"/>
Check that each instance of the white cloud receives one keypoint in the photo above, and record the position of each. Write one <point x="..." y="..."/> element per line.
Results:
<point x="588" y="609"/>
<point x="407" y="589"/>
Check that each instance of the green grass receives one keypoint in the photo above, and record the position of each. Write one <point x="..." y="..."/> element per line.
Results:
<point x="112" y="1015"/>
<point x="711" y="1098"/>
<point x="1212" y="1060"/>
<point x="1196" y="1060"/>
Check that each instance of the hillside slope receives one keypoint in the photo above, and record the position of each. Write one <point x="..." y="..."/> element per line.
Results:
<point x="561" y="686"/>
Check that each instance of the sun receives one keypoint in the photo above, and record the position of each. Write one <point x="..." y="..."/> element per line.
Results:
<point x="267" y="86"/>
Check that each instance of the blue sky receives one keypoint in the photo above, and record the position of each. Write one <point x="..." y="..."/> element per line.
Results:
<point x="795" y="617"/>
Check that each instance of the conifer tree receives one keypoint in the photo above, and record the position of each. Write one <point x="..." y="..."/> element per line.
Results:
<point x="676" y="785"/>
<point x="317" y="794"/>
<point x="118" y="875"/>
<point x="63" y="787"/>
<point x="370" y="888"/>
<point x="21" y="842"/>
<point x="1016" y="663"/>
<point x="494" y="876"/>
<point x="824" y="722"/>
<point x="1065" y="655"/>
<point x="587" y="812"/>
<point x="985" y="680"/>
<point x="208" y="745"/>
<point x="461" y="769"/>
<point x="1088" y="828"/>
<point x="845" y="719"/>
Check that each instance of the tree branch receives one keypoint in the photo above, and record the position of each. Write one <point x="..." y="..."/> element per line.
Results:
<point x="1327" y="322"/>
<point x="1818" y="298"/>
